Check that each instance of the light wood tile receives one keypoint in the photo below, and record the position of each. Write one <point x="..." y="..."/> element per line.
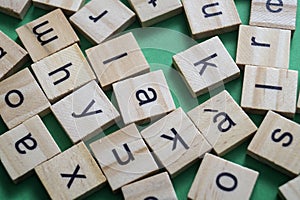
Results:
<point x="291" y="190"/>
<point x="15" y="8"/>
<point x="69" y="7"/>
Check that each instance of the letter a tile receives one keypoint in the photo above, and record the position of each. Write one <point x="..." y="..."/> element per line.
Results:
<point x="205" y="66"/>
<point x="276" y="143"/>
<point x="176" y="141"/>
<point x="123" y="157"/>
<point x="26" y="146"/>
<point x="72" y="174"/>
<point x="21" y="98"/>
<point x="63" y="72"/>
<point x="222" y="122"/>
<point x="47" y="35"/>
<point x="219" y="179"/>
<point x="143" y="97"/>
<point x="85" y="112"/>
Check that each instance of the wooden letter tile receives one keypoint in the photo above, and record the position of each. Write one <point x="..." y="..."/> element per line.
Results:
<point x="222" y="122"/>
<point x="143" y="97"/>
<point x="99" y="19"/>
<point x="155" y="187"/>
<point x="219" y="179"/>
<point x="291" y="190"/>
<point x="47" y="35"/>
<point x="117" y="59"/>
<point x="85" y="112"/>
<point x="69" y="7"/>
<point x="123" y="157"/>
<point x="15" y="8"/>
<point x="175" y="141"/>
<point x="62" y="72"/>
<point x="21" y="98"/>
<point x="205" y="66"/>
<point x="274" y="14"/>
<point x="154" y="11"/>
<point x="276" y="143"/>
<point x="266" y="47"/>
<point x="211" y="17"/>
<point x="26" y="146"/>
<point x="269" y="89"/>
<point x="71" y="174"/>
<point x="12" y="56"/>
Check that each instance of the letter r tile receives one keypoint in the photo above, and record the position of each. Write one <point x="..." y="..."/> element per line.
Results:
<point x="26" y="146"/>
<point x="205" y="66"/>
<point x="85" y="112"/>
<point x="123" y="157"/>
<point x="176" y="141"/>
<point x="47" y="35"/>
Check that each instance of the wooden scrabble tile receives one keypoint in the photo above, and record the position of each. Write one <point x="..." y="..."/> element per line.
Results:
<point x="222" y="122"/>
<point x="85" y="112"/>
<point x="276" y="142"/>
<point x="291" y="190"/>
<point x="277" y="14"/>
<point x="26" y="146"/>
<point x="71" y="174"/>
<point x="269" y="89"/>
<point x="263" y="47"/>
<point x="298" y="104"/>
<point x="117" y="59"/>
<point x="143" y="97"/>
<point x="62" y="72"/>
<point x="47" y="35"/>
<point x="206" y="66"/>
<point x="209" y="18"/>
<point x="100" y="19"/>
<point x="154" y="11"/>
<point x="21" y="98"/>
<point x="155" y="187"/>
<point x="15" y="8"/>
<point x="69" y="7"/>
<point x="123" y="157"/>
<point x="221" y="179"/>
<point x="12" y="56"/>
<point x="175" y="141"/>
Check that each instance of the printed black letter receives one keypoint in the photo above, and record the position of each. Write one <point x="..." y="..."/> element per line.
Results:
<point x="40" y="35"/>
<point x="174" y="139"/>
<point x="223" y="121"/>
<point x="14" y="105"/>
<point x="206" y="15"/>
<point x="147" y="98"/>
<point x="85" y="111"/>
<point x="73" y="176"/>
<point x="130" y="156"/>
<point x="62" y="69"/>
<point x="2" y="52"/>
<point x="222" y="187"/>
<point x="281" y="137"/>
<point x="22" y="141"/>
<point x="279" y="4"/>
<point x="205" y="63"/>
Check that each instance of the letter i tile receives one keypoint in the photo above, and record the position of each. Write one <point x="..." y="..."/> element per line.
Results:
<point x="123" y="157"/>
<point x="175" y="141"/>
<point x="26" y="146"/>
<point x="85" y="112"/>
<point x="62" y="72"/>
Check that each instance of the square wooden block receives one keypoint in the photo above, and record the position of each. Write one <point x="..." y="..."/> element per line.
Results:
<point x="21" y="98"/>
<point x="117" y="59"/>
<point x="274" y="14"/>
<point x="123" y="157"/>
<point x="47" y="35"/>
<point x="219" y="179"/>
<point x="100" y="19"/>
<point x="266" y="47"/>
<point x="153" y="11"/>
<point x="26" y="146"/>
<point x="298" y="104"/>
<point x="71" y="174"/>
<point x="15" y="8"/>
<point x="63" y="72"/>
<point x="175" y="141"/>
<point x="143" y="97"/>
<point x="12" y="56"/>
<point x="69" y="7"/>
<point x="209" y="18"/>
<point x="276" y="142"/>
<point x="222" y="122"/>
<point x="155" y="187"/>
<point x="291" y="190"/>
<point x="85" y="112"/>
<point x="206" y="66"/>
<point x="269" y="89"/>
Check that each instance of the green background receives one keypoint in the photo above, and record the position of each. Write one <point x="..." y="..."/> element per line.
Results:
<point x="269" y="179"/>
